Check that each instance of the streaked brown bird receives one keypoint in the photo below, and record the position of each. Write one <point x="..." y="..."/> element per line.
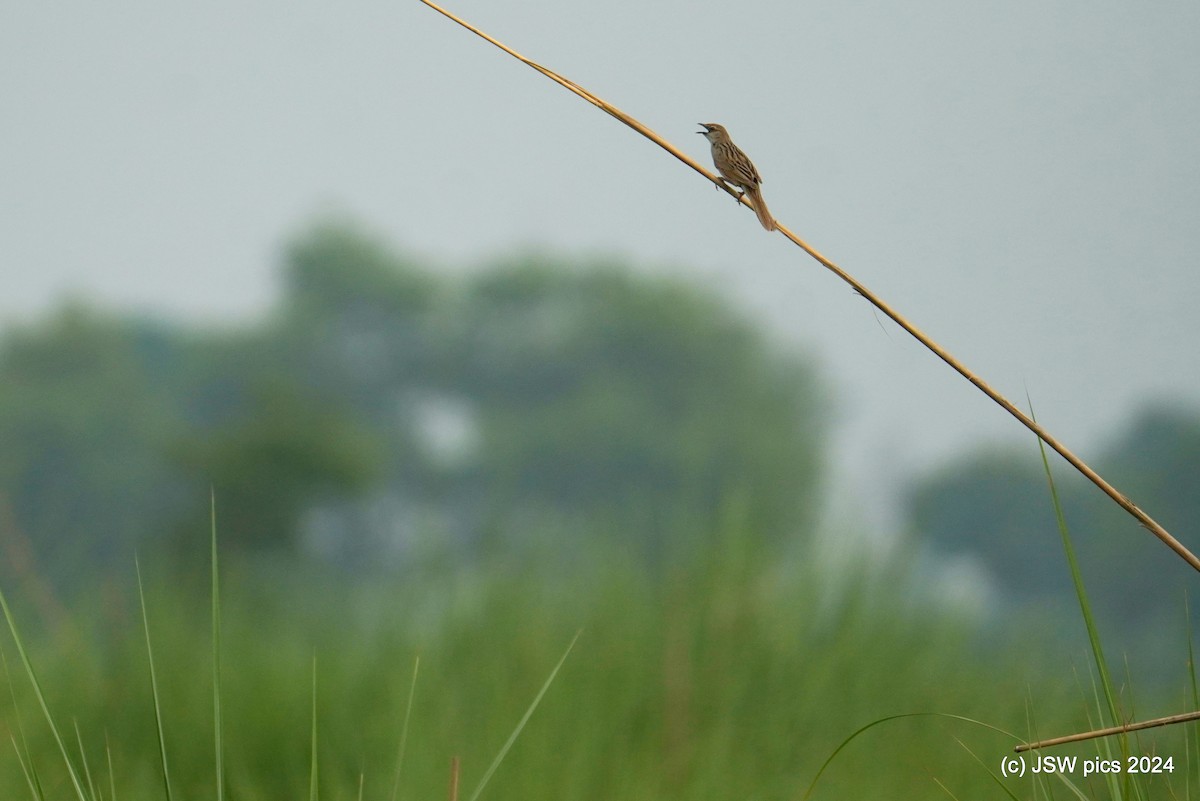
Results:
<point x="736" y="168"/>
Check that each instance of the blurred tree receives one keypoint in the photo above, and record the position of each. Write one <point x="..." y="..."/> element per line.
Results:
<point x="536" y="395"/>
<point x="282" y="452"/>
<point x="359" y="322"/>
<point x="85" y="416"/>
<point x="633" y="400"/>
<point x="998" y="508"/>
<point x="379" y="404"/>
<point x="357" y="318"/>
<point x="1156" y="462"/>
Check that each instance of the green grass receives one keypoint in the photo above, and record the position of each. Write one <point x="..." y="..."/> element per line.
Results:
<point x="736" y="676"/>
<point x="1111" y="708"/>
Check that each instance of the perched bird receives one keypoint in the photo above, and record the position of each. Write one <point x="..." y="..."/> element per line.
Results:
<point x="737" y="169"/>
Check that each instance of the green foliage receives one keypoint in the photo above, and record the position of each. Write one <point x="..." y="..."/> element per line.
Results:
<point x="381" y="410"/>
<point x="995" y="506"/>
<point x="85" y="418"/>
<point x="606" y="397"/>
<point x="282" y="454"/>
<point x="736" y="677"/>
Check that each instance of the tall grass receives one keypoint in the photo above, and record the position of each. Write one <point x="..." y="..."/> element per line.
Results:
<point x="731" y="676"/>
<point x="1113" y="736"/>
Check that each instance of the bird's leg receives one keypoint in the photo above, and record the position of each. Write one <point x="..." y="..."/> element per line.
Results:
<point x="729" y="186"/>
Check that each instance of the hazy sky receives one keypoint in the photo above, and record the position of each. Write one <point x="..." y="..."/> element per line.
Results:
<point x="1019" y="177"/>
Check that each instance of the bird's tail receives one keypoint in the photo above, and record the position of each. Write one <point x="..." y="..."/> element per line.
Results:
<point x="760" y="208"/>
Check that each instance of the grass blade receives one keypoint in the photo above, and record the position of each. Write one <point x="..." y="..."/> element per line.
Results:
<point x="219" y="755"/>
<point x="521" y="724"/>
<point x="412" y="687"/>
<point x="1085" y="606"/>
<point x="944" y="788"/>
<point x="24" y="758"/>
<point x="162" y="742"/>
<point x="1089" y="622"/>
<point x="312" y="780"/>
<point x="34" y="787"/>
<point x="87" y="771"/>
<point x="990" y="772"/>
<point x="1192" y="742"/>
<point x="862" y="729"/>
<point x="112" y="776"/>
<point x="41" y="698"/>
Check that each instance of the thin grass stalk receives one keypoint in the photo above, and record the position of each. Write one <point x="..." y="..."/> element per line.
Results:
<point x="1070" y="786"/>
<point x="1121" y="500"/>
<point x="812" y="786"/>
<point x="219" y="749"/>
<point x="412" y="688"/>
<point x="1039" y="786"/>
<point x="1104" y="749"/>
<point x="112" y="776"/>
<point x="41" y="698"/>
<point x="34" y="788"/>
<point x="521" y="724"/>
<point x="1192" y="741"/>
<point x="944" y="788"/>
<point x="1132" y="744"/>
<point x="24" y="757"/>
<point x="1085" y="607"/>
<point x="1093" y="632"/>
<point x="87" y="770"/>
<point x="162" y="741"/>
<point x="990" y="771"/>
<point x="312" y="777"/>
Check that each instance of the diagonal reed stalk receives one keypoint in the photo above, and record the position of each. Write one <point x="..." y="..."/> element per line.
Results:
<point x="1144" y="519"/>
<point x="1108" y="731"/>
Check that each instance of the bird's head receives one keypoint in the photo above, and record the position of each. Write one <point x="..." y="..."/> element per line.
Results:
<point x="712" y="131"/>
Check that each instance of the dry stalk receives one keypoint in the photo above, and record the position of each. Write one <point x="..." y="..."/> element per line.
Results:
<point x="1109" y="731"/>
<point x="1121" y="500"/>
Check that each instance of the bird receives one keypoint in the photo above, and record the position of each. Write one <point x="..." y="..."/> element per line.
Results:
<point x="736" y="168"/>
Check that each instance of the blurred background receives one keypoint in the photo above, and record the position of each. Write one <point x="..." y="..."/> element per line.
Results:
<point x="465" y="366"/>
